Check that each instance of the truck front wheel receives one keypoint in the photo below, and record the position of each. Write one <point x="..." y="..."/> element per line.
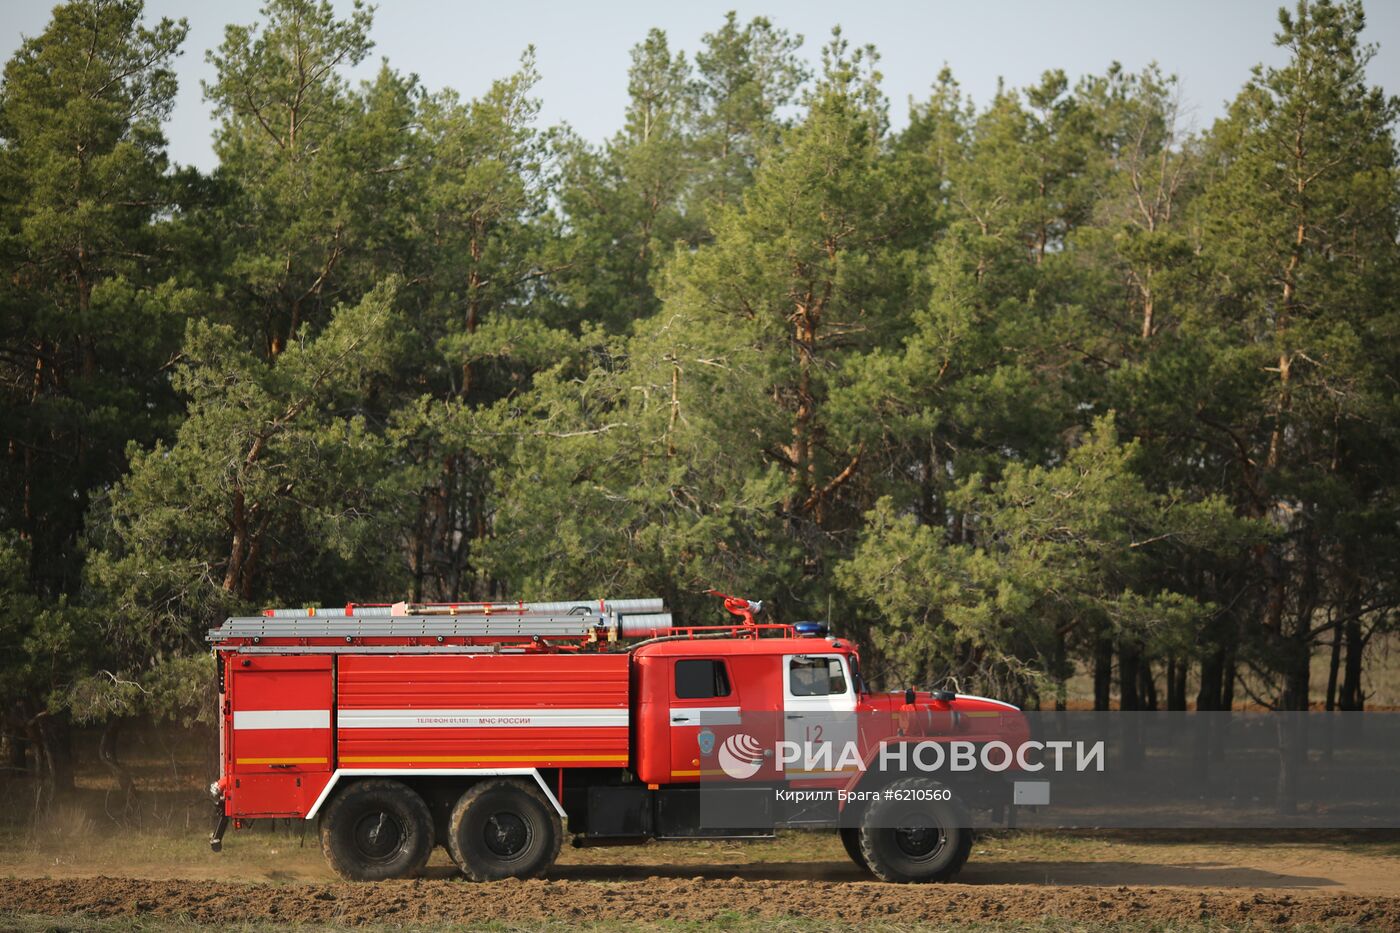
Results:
<point x="504" y="828"/>
<point x="908" y="837"/>
<point x="850" y="839"/>
<point x="377" y="829"/>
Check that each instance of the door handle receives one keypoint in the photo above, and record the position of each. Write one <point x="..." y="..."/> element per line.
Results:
<point x="794" y="715"/>
<point x="675" y="719"/>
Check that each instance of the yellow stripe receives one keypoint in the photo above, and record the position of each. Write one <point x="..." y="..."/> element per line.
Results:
<point x="538" y="759"/>
<point x="982" y="714"/>
<point x="280" y="761"/>
<point x="717" y="772"/>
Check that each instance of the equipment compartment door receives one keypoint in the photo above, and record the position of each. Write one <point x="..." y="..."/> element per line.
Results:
<point x="280" y="713"/>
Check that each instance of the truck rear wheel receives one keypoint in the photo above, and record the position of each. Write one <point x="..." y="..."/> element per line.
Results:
<point x="376" y="829"/>
<point x="504" y="828"/>
<point x="907" y="839"/>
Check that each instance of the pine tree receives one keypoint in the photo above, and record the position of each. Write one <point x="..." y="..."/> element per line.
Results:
<point x="746" y="77"/>
<point x="90" y="313"/>
<point x="287" y="150"/>
<point x="1300" y="225"/>
<point x="623" y="204"/>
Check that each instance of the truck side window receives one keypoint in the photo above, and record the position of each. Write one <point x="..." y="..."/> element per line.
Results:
<point x="701" y="679"/>
<point x="816" y="677"/>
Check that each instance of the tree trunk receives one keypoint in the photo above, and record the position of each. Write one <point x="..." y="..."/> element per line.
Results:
<point x="1208" y="694"/>
<point x="237" y="546"/>
<point x="1297" y="672"/>
<point x="53" y="741"/>
<point x="420" y="531"/>
<point x="1227" y="678"/>
<point x="473" y="306"/>
<point x="1296" y="676"/>
<point x="1334" y="665"/>
<point x="1176" y="685"/>
<point x="1061" y="687"/>
<point x="1103" y="673"/>
<point x="1128" y="662"/>
<point x="803" y="464"/>
<point x="107" y="754"/>
<point x="1147" y="692"/>
<point x="1129" y="672"/>
<point x="1352" y="699"/>
<point x="675" y="409"/>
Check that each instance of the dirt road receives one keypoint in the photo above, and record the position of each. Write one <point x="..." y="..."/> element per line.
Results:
<point x="1020" y="877"/>
<point x="678" y="899"/>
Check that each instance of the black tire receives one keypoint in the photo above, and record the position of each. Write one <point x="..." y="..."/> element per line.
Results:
<point x="376" y="829"/>
<point x="912" y="840"/>
<point x="850" y="840"/>
<point x="504" y="828"/>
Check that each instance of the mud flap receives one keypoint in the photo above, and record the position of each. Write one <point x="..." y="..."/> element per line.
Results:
<point x="216" y="838"/>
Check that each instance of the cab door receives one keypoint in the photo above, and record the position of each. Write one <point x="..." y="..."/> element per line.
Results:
<point x="819" y="703"/>
<point x="703" y="713"/>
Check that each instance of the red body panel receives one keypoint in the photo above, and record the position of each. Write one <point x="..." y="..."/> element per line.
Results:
<point x="259" y="796"/>
<point x="482" y="711"/>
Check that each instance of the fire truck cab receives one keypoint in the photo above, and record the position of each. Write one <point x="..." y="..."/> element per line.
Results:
<point x="493" y="729"/>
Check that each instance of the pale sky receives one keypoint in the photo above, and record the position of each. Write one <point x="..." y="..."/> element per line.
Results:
<point x="583" y="47"/>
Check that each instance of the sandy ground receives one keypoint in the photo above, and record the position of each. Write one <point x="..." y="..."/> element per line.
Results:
<point x="1332" y="881"/>
<point x="1352" y="864"/>
<point x="681" y="899"/>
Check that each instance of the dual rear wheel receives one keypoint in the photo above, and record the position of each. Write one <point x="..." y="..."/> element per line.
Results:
<point x="499" y="828"/>
<point x="504" y="828"/>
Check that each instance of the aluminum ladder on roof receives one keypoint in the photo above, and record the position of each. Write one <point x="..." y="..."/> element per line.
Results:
<point x="452" y="620"/>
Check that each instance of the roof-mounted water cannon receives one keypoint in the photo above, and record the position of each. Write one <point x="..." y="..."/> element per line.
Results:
<point x="745" y="609"/>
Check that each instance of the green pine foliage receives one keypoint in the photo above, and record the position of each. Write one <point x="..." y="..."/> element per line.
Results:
<point x="1033" y="385"/>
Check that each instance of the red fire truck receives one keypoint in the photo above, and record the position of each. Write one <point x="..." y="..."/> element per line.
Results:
<point x="486" y="728"/>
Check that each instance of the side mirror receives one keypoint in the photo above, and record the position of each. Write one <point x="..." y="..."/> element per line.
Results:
<point x="908" y="696"/>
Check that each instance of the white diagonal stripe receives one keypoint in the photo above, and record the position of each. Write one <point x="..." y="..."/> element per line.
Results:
<point x="476" y="718"/>
<point x="282" y="719"/>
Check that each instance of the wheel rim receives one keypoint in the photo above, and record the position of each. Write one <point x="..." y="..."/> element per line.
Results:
<point x="507" y="835"/>
<point x="921" y="840"/>
<point x="378" y="836"/>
